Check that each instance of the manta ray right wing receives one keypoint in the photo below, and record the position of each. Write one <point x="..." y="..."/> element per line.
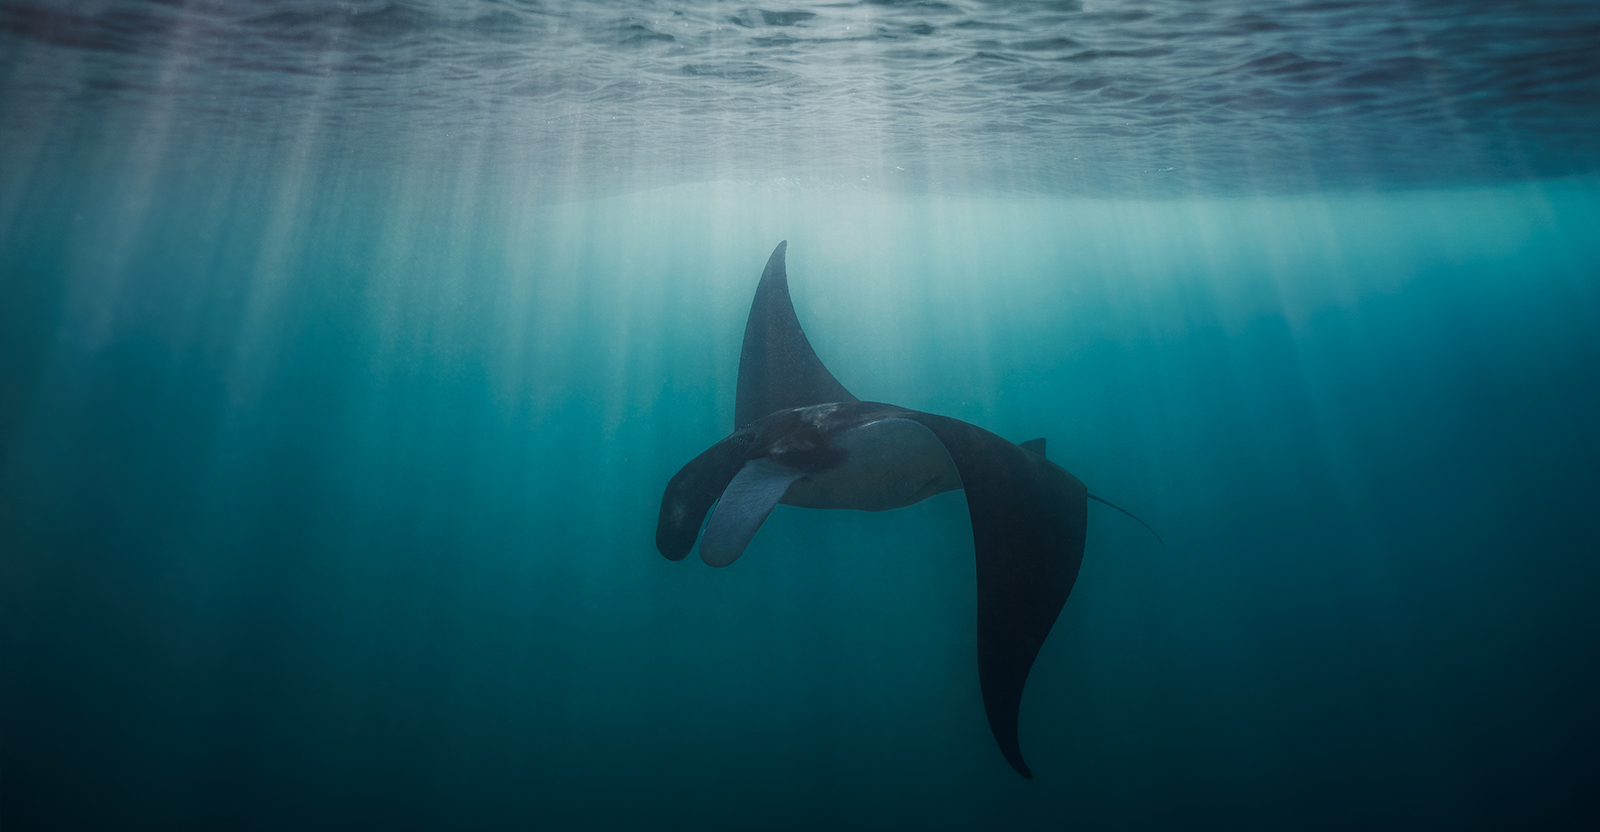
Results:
<point x="1028" y="522"/>
<point x="778" y="369"/>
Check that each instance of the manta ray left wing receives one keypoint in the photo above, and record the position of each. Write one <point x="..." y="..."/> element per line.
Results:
<point x="1028" y="522"/>
<point x="778" y="369"/>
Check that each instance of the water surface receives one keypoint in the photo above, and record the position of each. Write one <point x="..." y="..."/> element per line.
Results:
<point x="345" y="350"/>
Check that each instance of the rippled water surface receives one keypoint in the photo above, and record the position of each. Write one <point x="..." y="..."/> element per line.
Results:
<point x="1102" y="96"/>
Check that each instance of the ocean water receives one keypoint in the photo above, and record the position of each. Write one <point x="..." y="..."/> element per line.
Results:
<point x="346" y="349"/>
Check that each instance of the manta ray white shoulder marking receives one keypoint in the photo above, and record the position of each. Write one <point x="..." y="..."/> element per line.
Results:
<point x="744" y="506"/>
<point x="816" y="413"/>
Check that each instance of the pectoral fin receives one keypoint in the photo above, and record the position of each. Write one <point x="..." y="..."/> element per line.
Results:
<point x="1028" y="522"/>
<point x="778" y="369"/>
<point x="744" y="506"/>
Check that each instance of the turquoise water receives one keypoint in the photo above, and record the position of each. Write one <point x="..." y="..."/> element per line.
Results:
<point x="329" y="468"/>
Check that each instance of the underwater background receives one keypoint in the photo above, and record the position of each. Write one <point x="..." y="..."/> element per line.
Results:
<point x="346" y="349"/>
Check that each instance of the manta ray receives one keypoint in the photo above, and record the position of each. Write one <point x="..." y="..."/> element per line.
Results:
<point x="801" y="439"/>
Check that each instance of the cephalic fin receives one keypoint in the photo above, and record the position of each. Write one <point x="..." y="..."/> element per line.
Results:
<point x="744" y="506"/>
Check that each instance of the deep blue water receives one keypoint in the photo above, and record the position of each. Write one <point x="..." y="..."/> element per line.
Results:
<point x="346" y="348"/>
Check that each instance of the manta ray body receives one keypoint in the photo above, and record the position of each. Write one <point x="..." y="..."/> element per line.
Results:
<point x="801" y="439"/>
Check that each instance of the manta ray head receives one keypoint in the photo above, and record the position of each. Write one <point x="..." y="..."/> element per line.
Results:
<point x="844" y="455"/>
<point x="780" y="448"/>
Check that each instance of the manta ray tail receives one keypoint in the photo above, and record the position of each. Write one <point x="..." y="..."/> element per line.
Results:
<point x="1130" y="514"/>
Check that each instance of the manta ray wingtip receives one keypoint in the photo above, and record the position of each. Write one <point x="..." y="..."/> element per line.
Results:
<point x="1013" y="755"/>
